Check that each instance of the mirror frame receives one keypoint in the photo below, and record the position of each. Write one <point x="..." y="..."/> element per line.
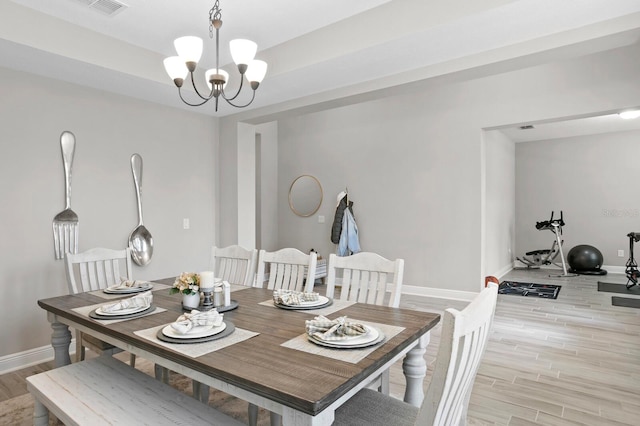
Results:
<point x="291" y="201"/>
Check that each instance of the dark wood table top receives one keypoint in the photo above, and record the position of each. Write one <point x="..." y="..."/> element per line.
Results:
<point x="301" y="380"/>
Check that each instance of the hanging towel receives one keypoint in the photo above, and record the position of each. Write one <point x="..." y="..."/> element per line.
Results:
<point x="349" y="243"/>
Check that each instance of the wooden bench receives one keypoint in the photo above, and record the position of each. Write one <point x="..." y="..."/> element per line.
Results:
<point x="105" y="391"/>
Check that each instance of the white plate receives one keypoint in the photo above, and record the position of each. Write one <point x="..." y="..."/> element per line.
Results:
<point x="195" y="332"/>
<point x="371" y="335"/>
<point x="321" y="301"/>
<point x="116" y="289"/>
<point x="127" y="311"/>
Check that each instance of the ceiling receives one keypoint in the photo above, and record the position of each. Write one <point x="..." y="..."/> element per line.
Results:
<point x="318" y="52"/>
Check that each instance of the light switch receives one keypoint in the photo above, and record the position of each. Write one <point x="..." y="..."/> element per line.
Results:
<point x="320" y="219"/>
<point x="185" y="223"/>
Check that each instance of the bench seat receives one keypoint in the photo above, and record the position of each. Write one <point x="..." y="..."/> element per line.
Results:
<point x="105" y="391"/>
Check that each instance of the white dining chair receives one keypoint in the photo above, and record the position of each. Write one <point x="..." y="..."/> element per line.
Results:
<point x="365" y="277"/>
<point x="234" y="264"/>
<point x="97" y="269"/>
<point x="462" y="344"/>
<point x="289" y="269"/>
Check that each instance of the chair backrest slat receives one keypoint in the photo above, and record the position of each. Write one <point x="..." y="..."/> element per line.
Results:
<point x="365" y="278"/>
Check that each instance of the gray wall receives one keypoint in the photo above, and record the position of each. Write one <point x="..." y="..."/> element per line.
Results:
<point x="178" y="182"/>
<point x="414" y="163"/>
<point x="593" y="179"/>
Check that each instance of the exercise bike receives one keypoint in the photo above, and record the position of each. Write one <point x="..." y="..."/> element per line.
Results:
<point x="631" y="270"/>
<point x="538" y="258"/>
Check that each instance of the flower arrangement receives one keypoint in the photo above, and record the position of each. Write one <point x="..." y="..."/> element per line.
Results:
<point x="186" y="283"/>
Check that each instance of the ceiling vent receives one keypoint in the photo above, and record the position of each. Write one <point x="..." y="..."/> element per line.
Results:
<point x="527" y="127"/>
<point x="105" y="7"/>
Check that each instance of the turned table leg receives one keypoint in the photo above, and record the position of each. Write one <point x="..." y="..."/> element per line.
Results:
<point x="60" y="340"/>
<point x="415" y="369"/>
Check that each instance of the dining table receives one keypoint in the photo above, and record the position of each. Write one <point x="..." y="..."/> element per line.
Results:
<point x="268" y="360"/>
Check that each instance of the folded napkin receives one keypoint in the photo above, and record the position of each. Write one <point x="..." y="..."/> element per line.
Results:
<point x="137" y="301"/>
<point x="195" y="318"/>
<point x="338" y="329"/>
<point x="125" y="283"/>
<point x="293" y="298"/>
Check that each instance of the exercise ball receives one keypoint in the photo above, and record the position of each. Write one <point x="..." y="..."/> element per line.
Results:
<point x="585" y="258"/>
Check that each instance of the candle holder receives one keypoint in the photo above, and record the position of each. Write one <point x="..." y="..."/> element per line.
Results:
<point x="207" y="303"/>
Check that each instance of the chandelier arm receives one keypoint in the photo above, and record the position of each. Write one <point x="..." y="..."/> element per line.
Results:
<point x="205" y="98"/>
<point x="237" y="93"/>
<point x="253" y="95"/>
<point x="189" y="103"/>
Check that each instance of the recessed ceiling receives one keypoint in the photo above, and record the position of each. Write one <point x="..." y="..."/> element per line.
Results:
<point x="569" y="128"/>
<point x="318" y="51"/>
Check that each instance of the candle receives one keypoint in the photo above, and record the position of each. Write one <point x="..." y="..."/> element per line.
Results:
<point x="227" y="293"/>
<point x="206" y="279"/>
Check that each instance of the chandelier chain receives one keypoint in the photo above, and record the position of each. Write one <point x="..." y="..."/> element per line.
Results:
<point x="214" y="13"/>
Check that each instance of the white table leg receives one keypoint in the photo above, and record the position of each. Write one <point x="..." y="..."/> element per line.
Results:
<point x="291" y="417"/>
<point x="40" y="414"/>
<point x="415" y="369"/>
<point x="60" y="340"/>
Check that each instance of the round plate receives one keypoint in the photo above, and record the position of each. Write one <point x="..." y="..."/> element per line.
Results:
<point x="195" y="332"/>
<point x="93" y="314"/>
<point x="373" y="337"/>
<point x="220" y="309"/>
<point x="323" y="302"/>
<point x="227" y="331"/>
<point x="126" y="290"/>
<point x="127" y="311"/>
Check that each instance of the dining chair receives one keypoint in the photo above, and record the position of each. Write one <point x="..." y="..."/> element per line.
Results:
<point x="462" y="343"/>
<point x="365" y="278"/>
<point x="289" y="269"/>
<point x="97" y="269"/>
<point x="234" y="264"/>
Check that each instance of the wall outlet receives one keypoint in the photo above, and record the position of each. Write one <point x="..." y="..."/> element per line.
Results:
<point x="185" y="223"/>
<point x="620" y="253"/>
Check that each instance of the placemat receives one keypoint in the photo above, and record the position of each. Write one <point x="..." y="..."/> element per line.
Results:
<point x="335" y="307"/>
<point x="194" y="350"/>
<point x="353" y="356"/>
<point x="102" y="294"/>
<point x="84" y="310"/>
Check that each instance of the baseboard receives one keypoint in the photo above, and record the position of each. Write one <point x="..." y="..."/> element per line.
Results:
<point x="440" y="293"/>
<point x="20" y="360"/>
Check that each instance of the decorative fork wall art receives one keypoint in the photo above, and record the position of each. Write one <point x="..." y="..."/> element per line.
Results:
<point x="65" y="223"/>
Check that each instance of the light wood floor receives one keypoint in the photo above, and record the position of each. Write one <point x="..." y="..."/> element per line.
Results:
<point x="570" y="361"/>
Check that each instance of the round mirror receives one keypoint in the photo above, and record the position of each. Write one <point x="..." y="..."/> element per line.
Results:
<point x="305" y="195"/>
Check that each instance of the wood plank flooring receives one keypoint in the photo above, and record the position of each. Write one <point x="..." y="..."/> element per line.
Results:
<point x="570" y="361"/>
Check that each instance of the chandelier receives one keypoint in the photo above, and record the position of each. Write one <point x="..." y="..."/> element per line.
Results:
<point x="189" y="49"/>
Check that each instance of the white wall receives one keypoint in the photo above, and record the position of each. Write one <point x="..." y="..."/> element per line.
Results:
<point x="500" y="203"/>
<point x="178" y="182"/>
<point x="593" y="179"/>
<point x="413" y="163"/>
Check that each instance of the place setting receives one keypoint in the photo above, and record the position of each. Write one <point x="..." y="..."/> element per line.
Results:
<point x="196" y="327"/>
<point x="129" y="287"/>
<point x="299" y="300"/>
<point x="129" y="308"/>
<point x="341" y="333"/>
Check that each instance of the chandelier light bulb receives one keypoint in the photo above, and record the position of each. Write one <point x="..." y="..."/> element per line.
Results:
<point x="175" y="67"/>
<point x="256" y="71"/>
<point x="242" y="51"/>
<point x="189" y="48"/>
